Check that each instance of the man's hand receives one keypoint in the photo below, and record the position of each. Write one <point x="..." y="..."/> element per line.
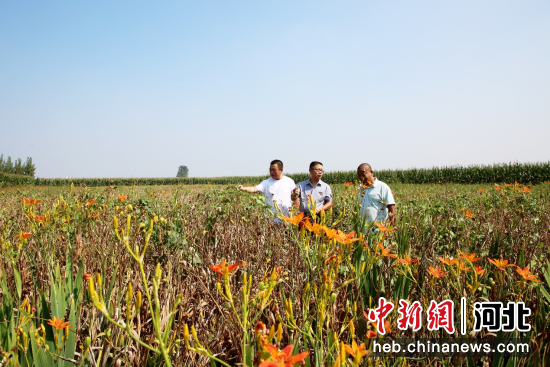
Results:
<point x="391" y="214"/>
<point x="240" y="187"/>
<point x="294" y="194"/>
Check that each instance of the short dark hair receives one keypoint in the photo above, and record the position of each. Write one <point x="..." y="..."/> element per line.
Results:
<point x="362" y="165"/>
<point x="279" y="163"/>
<point x="314" y="163"/>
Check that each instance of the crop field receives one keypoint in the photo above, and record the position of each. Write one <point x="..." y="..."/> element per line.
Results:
<point x="200" y="275"/>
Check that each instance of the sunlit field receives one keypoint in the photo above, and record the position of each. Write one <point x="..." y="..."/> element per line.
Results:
<point x="200" y="275"/>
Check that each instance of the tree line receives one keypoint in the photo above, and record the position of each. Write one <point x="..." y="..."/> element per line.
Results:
<point x="17" y="167"/>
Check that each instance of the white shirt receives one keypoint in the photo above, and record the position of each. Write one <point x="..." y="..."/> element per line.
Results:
<point x="278" y="191"/>
<point x="374" y="201"/>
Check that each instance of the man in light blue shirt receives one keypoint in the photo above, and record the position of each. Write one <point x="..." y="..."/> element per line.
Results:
<point x="375" y="197"/>
<point x="318" y="191"/>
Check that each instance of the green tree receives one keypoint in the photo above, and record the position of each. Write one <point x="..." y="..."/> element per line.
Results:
<point x="17" y="168"/>
<point x="8" y="166"/>
<point x="29" y="168"/>
<point x="183" y="171"/>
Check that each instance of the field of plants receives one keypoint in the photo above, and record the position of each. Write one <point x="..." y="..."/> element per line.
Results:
<point x="201" y="275"/>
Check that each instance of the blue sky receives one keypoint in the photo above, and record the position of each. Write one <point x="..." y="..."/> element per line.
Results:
<point x="136" y="88"/>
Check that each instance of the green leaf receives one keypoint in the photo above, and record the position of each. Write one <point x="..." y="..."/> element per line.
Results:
<point x="18" y="283"/>
<point x="68" y="352"/>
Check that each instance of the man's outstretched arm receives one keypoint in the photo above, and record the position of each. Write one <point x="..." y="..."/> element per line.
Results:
<point x="250" y="190"/>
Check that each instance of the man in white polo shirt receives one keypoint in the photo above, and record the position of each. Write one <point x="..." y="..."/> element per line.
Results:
<point x="375" y="197"/>
<point x="277" y="188"/>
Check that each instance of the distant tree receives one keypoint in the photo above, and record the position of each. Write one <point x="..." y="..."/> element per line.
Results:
<point x="183" y="171"/>
<point x="8" y="166"/>
<point x="29" y="168"/>
<point x="2" y="162"/>
<point x="17" y="168"/>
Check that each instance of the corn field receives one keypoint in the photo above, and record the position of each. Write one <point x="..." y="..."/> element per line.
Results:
<point x="528" y="173"/>
<point x="200" y="275"/>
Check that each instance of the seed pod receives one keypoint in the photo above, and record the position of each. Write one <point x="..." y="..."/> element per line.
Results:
<point x="186" y="335"/>
<point x="158" y="272"/>
<point x="279" y="332"/>
<point x="98" y="280"/>
<point x="129" y="295"/>
<point x="87" y="342"/>
<point x="138" y="300"/>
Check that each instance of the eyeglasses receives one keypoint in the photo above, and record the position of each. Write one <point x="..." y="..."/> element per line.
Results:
<point x="318" y="170"/>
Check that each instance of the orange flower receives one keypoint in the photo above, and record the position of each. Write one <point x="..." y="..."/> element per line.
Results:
<point x="509" y="185"/>
<point x="498" y="188"/>
<point x="462" y="266"/>
<point x="500" y="264"/>
<point x="317" y="228"/>
<point x="469" y="214"/>
<point x="449" y="262"/>
<point x="332" y="233"/>
<point x="37" y="218"/>
<point x="25" y="235"/>
<point x="96" y="215"/>
<point x="222" y="268"/>
<point x="386" y="251"/>
<point x="526" y="190"/>
<point x="437" y="273"/>
<point x="348" y="183"/>
<point x="30" y="202"/>
<point x="123" y="197"/>
<point x="90" y="202"/>
<point x="283" y="358"/>
<point x="58" y="324"/>
<point x="371" y="334"/>
<point x="313" y="227"/>
<point x="382" y="227"/>
<point x="407" y="260"/>
<point x="479" y="270"/>
<point x="527" y="275"/>
<point x="356" y="351"/>
<point x="481" y="191"/>
<point x="471" y="257"/>
<point x="295" y="219"/>
<point x="308" y="225"/>
<point x="346" y="239"/>
<point x="387" y="326"/>
<point x="367" y="185"/>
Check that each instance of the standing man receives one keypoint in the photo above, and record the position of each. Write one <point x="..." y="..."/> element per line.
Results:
<point x="375" y="197"/>
<point x="276" y="189"/>
<point x="319" y="191"/>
